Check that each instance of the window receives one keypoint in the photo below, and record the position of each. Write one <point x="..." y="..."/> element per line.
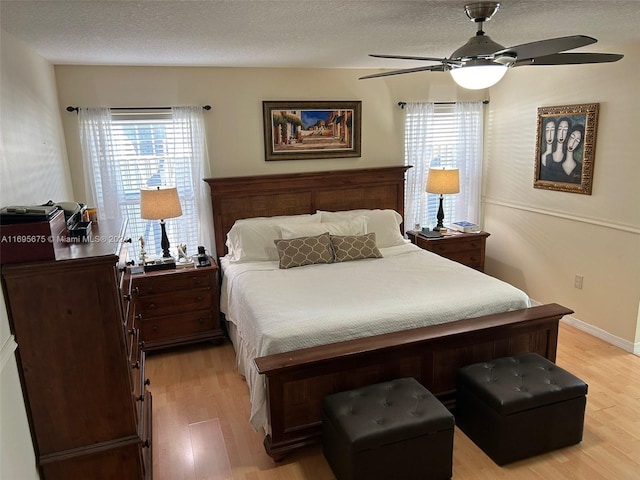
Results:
<point x="443" y="135"/>
<point x="127" y="151"/>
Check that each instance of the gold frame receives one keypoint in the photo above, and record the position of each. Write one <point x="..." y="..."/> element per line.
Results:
<point x="576" y="125"/>
<point x="288" y="137"/>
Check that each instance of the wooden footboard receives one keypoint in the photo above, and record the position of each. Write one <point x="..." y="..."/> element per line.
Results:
<point x="297" y="381"/>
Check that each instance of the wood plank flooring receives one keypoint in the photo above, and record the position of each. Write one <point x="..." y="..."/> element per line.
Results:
<point x="201" y="429"/>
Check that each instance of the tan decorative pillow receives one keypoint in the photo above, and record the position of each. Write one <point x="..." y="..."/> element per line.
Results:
<point x="354" y="247"/>
<point x="297" y="252"/>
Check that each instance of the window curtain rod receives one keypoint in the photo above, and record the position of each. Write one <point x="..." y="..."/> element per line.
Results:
<point x="75" y="109"/>
<point x="402" y="104"/>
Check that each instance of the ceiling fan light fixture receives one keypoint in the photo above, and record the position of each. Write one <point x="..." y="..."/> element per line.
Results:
<point x="478" y="74"/>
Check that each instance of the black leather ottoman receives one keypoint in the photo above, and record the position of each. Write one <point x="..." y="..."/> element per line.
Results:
<point x="392" y="430"/>
<point x="521" y="406"/>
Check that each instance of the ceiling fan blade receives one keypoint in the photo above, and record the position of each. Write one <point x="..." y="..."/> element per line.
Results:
<point x="431" y="68"/>
<point x="570" y="59"/>
<point x="547" y="47"/>
<point x="422" y="59"/>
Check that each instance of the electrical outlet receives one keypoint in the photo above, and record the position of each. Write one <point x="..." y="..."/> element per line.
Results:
<point x="578" y="281"/>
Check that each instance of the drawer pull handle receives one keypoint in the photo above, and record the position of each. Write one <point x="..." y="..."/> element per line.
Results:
<point x="128" y="240"/>
<point x="154" y="328"/>
<point x="127" y="297"/>
<point x="147" y="382"/>
<point x="136" y="290"/>
<point x="141" y="344"/>
<point x="139" y="316"/>
<point x="152" y="306"/>
<point x="140" y="398"/>
<point x="146" y="444"/>
<point x="130" y="263"/>
<point x="198" y="299"/>
<point x="136" y="366"/>
<point x="132" y="331"/>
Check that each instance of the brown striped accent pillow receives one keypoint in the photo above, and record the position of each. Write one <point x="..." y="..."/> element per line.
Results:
<point x="354" y="247"/>
<point x="297" y="252"/>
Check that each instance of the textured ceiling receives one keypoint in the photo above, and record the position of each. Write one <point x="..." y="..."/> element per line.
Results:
<point x="302" y="33"/>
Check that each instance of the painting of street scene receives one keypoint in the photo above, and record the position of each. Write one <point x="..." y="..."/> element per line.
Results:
<point x="302" y="130"/>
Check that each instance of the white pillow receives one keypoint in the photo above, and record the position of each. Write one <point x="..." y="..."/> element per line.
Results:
<point x="252" y="239"/>
<point x="384" y="223"/>
<point x="355" y="226"/>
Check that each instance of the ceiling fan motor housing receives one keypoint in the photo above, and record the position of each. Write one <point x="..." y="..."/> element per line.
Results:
<point x="479" y="46"/>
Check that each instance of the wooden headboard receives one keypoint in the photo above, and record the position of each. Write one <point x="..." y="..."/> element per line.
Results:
<point x="296" y="193"/>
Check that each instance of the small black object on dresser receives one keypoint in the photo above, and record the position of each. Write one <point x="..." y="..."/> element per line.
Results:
<point x="392" y="430"/>
<point x="520" y="406"/>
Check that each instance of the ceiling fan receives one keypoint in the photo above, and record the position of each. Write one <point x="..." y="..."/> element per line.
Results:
<point x="481" y="62"/>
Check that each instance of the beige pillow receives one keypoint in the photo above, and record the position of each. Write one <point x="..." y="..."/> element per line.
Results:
<point x="251" y="239"/>
<point x="384" y="223"/>
<point x="297" y="252"/>
<point x="354" y="247"/>
<point x="354" y="226"/>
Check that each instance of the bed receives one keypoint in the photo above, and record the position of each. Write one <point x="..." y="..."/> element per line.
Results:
<point x="294" y="376"/>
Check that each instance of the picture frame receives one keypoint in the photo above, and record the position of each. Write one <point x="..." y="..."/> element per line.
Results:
<point x="302" y="130"/>
<point x="565" y="147"/>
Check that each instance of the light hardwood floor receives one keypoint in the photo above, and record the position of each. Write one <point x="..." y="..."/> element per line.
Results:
<point x="201" y="429"/>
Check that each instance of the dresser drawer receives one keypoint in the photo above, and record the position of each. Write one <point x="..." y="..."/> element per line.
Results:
<point x="157" y="284"/>
<point x="173" y="326"/>
<point x="138" y="379"/>
<point x="465" y="248"/>
<point x="177" y="302"/>
<point x="471" y="258"/>
<point x="448" y="247"/>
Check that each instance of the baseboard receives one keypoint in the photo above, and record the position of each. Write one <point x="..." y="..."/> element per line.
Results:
<point x="625" y="345"/>
<point x="6" y="352"/>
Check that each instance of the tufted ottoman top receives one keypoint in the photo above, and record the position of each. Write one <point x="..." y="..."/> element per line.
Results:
<point x="386" y="412"/>
<point x="521" y="382"/>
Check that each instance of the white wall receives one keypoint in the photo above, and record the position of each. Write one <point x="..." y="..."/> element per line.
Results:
<point x="33" y="170"/>
<point x="234" y="125"/>
<point x="540" y="238"/>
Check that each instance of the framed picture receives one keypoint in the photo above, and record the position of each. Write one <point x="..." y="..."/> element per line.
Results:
<point x="308" y="130"/>
<point x="565" y="148"/>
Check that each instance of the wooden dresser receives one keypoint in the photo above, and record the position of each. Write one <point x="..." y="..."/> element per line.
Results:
<point x="465" y="248"/>
<point x="178" y="306"/>
<point x="82" y="373"/>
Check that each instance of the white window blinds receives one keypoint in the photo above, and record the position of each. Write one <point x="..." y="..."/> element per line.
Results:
<point x="443" y="135"/>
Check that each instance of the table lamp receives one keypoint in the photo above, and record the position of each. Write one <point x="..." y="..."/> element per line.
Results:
<point x="160" y="203"/>
<point x="441" y="181"/>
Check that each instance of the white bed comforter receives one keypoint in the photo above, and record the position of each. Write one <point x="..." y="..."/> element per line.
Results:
<point x="274" y="310"/>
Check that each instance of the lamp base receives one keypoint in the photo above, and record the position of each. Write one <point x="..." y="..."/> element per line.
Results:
<point x="440" y="217"/>
<point x="164" y="242"/>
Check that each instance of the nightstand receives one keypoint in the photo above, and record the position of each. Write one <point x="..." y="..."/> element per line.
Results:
<point x="178" y="306"/>
<point x="465" y="248"/>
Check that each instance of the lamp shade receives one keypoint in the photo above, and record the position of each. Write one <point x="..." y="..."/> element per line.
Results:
<point x="159" y="203"/>
<point x="443" y="180"/>
<point x="478" y="76"/>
